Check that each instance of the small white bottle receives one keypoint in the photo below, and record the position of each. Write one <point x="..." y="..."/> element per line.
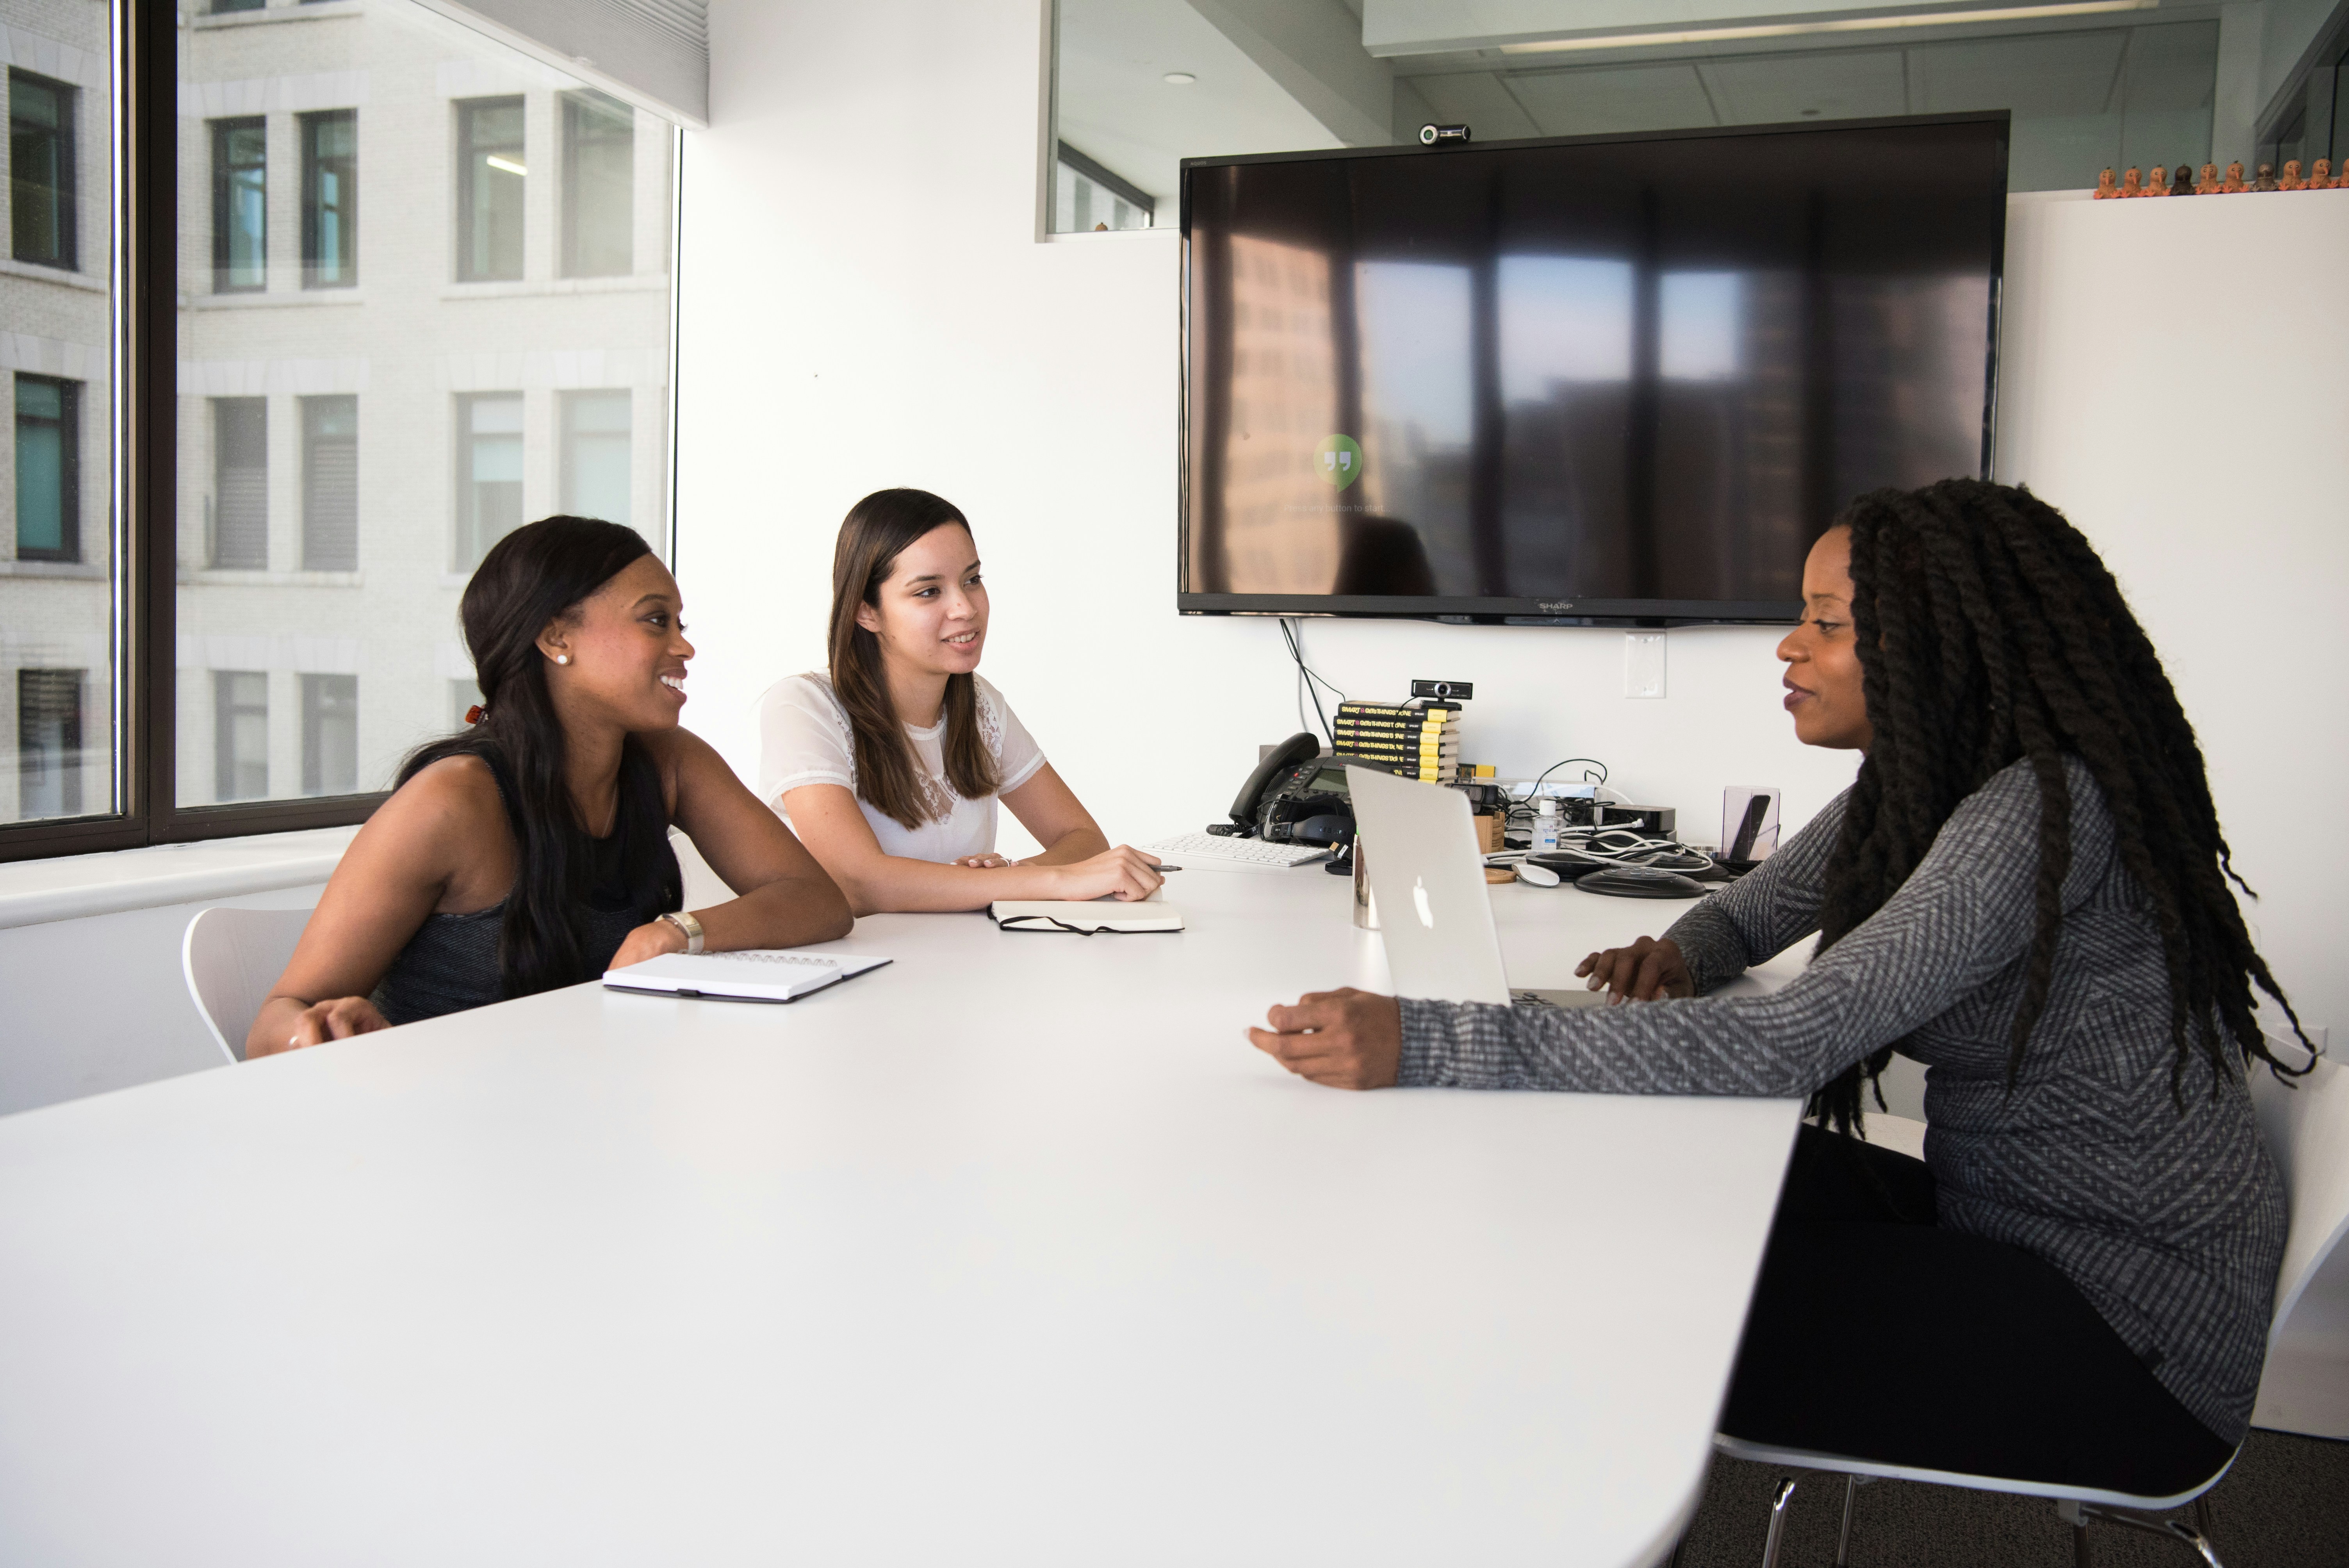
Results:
<point x="1546" y="824"/>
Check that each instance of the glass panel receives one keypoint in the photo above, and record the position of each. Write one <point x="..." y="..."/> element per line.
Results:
<point x="342" y="467"/>
<point x="41" y="125"/>
<point x="240" y="204"/>
<point x="599" y="177"/>
<point x="330" y="199"/>
<point x="596" y="455"/>
<point x="490" y="171"/>
<point x="1140" y="85"/>
<point x="58" y="604"/>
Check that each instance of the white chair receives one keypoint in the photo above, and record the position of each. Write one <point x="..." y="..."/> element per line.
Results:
<point x="2306" y="1127"/>
<point x="231" y="958"/>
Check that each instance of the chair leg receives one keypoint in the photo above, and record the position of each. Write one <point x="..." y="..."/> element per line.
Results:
<point x="1843" y="1537"/>
<point x="2177" y="1530"/>
<point x="1777" y="1521"/>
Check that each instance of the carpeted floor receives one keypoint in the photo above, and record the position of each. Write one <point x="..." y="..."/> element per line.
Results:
<point x="2284" y="1505"/>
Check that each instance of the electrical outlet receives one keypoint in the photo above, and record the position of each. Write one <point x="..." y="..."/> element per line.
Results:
<point x="1643" y="663"/>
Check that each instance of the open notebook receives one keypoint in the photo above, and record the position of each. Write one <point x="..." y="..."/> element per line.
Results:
<point x="1086" y="918"/>
<point x="754" y="975"/>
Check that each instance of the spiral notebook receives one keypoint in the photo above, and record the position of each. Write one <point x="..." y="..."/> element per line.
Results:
<point x="754" y="975"/>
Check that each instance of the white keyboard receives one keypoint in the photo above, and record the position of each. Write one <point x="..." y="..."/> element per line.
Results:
<point x="1235" y="851"/>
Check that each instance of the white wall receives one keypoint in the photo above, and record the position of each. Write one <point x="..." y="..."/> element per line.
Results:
<point x="98" y="1004"/>
<point x="865" y="304"/>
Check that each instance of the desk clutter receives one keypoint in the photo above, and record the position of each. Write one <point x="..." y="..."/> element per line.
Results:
<point x="1417" y="741"/>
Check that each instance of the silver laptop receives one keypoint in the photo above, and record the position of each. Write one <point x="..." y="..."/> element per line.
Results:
<point x="1435" y="909"/>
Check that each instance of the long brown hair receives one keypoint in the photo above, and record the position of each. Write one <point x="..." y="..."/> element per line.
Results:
<point x="876" y="532"/>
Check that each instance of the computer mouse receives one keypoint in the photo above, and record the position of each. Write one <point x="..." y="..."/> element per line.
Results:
<point x="1639" y="881"/>
<point x="1539" y="876"/>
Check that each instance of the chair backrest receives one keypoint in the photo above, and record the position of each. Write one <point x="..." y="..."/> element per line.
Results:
<point x="2306" y="1125"/>
<point x="231" y="958"/>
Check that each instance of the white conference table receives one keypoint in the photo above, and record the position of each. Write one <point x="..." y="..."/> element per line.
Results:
<point x="1012" y="1252"/>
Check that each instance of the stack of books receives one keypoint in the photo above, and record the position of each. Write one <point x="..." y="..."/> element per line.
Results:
<point x="1419" y="741"/>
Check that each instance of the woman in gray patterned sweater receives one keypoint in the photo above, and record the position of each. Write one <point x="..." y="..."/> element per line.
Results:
<point x="2025" y="888"/>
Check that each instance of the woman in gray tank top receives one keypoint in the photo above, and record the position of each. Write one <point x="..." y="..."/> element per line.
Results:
<point x="532" y="851"/>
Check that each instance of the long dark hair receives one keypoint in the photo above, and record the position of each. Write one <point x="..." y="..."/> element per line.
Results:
<point x="1988" y="631"/>
<point x="541" y="572"/>
<point x="876" y="532"/>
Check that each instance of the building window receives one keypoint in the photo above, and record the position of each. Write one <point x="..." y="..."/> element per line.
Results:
<point x="240" y="735"/>
<point x="596" y="455"/>
<point x="488" y="472"/>
<point x="330" y="735"/>
<point x="48" y="742"/>
<point x="41" y="169"/>
<point x="222" y="8"/>
<point x="599" y="184"/>
<point x="330" y="199"/>
<point x="1088" y="196"/>
<point x="48" y="469"/>
<point x="490" y="172"/>
<point x="330" y="484"/>
<point x="240" y="205"/>
<point x="240" y="484"/>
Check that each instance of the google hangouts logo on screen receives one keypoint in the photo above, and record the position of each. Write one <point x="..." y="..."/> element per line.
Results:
<point x="1338" y="461"/>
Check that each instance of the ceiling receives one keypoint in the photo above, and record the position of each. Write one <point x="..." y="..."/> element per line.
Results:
<point x="2086" y="89"/>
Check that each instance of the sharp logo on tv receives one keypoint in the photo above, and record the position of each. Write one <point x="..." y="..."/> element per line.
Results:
<point x="1338" y="461"/>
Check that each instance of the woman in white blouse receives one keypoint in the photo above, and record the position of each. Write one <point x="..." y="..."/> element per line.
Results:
<point x="889" y="769"/>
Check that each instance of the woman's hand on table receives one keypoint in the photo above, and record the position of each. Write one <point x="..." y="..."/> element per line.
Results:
<point x="1642" y="972"/>
<point x="650" y="939"/>
<point x="1345" y="1038"/>
<point x="983" y="862"/>
<point x="1124" y="872"/>
<point x="337" y="1019"/>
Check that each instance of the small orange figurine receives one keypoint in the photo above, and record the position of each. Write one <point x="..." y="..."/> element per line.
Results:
<point x="2209" y="184"/>
<point x="2133" y="183"/>
<point x="2267" y="180"/>
<point x="2292" y="180"/>
<point x="2156" y="182"/>
<point x="2234" y="182"/>
<point x="2105" y="189"/>
<point x="2321" y="177"/>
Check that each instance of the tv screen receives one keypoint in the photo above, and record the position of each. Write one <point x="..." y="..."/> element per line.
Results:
<point x="1589" y="380"/>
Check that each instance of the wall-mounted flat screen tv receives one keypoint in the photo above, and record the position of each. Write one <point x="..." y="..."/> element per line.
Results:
<point x="1595" y="380"/>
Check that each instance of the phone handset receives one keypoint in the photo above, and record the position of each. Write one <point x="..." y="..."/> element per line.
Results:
<point x="1299" y="748"/>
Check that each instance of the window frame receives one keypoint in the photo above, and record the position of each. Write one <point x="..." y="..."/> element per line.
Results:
<point x="69" y="426"/>
<point x="308" y="128"/>
<point x="67" y="219"/>
<point x="224" y="200"/>
<point x="137" y="159"/>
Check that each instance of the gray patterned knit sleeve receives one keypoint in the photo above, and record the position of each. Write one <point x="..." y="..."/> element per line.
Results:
<point x="1764" y="912"/>
<point x="1963" y="915"/>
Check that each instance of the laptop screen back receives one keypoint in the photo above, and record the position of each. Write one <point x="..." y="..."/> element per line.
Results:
<point x="1420" y="851"/>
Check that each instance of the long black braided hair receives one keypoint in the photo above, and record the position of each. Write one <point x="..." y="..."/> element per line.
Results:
<point x="1988" y="631"/>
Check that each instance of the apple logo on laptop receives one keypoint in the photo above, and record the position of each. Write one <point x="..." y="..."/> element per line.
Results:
<point x="1419" y="902"/>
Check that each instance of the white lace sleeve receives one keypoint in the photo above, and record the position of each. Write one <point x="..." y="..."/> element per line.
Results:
<point x="804" y="738"/>
<point x="1017" y="755"/>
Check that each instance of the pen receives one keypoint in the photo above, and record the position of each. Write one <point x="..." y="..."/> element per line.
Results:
<point x="1165" y="868"/>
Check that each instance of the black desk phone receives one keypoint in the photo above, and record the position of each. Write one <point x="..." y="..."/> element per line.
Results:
<point x="1296" y="796"/>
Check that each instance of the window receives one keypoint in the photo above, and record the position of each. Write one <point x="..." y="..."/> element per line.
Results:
<point x="490" y="172"/>
<point x="596" y="455"/>
<point x="41" y="169"/>
<point x="330" y="735"/>
<point x="1088" y="196"/>
<point x="330" y="199"/>
<point x="238" y="587"/>
<point x="222" y="8"/>
<point x="48" y="743"/>
<point x="599" y="180"/>
<point x="462" y="696"/>
<point x="488" y="472"/>
<point x="330" y="484"/>
<point x="240" y="204"/>
<point x="240" y="532"/>
<point x="48" y="469"/>
<point x="240" y="735"/>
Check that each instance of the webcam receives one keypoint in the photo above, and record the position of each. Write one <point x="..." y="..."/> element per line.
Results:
<point x="1454" y="135"/>
<point x="1445" y="691"/>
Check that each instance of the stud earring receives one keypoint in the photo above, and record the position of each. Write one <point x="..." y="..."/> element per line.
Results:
<point x="562" y="658"/>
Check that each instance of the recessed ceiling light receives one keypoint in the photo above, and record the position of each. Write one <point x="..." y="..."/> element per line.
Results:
<point x="1180" y="78"/>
